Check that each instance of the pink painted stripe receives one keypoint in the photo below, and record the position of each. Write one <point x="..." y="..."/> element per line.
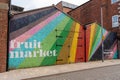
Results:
<point x="35" y="29"/>
<point x="112" y="54"/>
<point x="114" y="50"/>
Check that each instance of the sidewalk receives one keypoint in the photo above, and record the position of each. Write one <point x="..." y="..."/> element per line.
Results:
<point x="50" y="70"/>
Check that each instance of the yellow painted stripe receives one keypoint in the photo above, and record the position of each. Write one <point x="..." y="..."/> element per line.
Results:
<point x="91" y="37"/>
<point x="74" y="44"/>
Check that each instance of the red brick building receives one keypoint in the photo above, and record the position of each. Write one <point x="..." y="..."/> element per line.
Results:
<point x="91" y="12"/>
<point x="3" y="34"/>
<point x="65" y="6"/>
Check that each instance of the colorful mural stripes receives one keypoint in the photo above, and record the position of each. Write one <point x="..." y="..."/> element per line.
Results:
<point x="74" y="44"/>
<point x="64" y="34"/>
<point x="94" y="41"/>
<point x="80" y="53"/>
<point x="39" y="33"/>
<point x="88" y="30"/>
<point x="35" y="29"/>
<point x="57" y="39"/>
<point x="53" y="31"/>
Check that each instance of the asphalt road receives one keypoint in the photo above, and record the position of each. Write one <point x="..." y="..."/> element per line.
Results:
<point x="104" y="73"/>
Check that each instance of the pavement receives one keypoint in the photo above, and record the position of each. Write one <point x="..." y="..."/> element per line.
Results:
<point x="21" y="74"/>
<point x="102" y="73"/>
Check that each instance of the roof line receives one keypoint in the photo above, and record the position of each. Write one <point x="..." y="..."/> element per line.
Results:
<point x="32" y="10"/>
<point x="17" y="6"/>
<point x="69" y="3"/>
<point x="80" y="6"/>
<point x="48" y="7"/>
<point x="67" y="14"/>
<point x="59" y="2"/>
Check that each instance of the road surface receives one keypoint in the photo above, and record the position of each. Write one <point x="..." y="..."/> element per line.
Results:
<point x="104" y="73"/>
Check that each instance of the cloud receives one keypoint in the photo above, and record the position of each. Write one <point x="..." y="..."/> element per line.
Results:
<point x="32" y="4"/>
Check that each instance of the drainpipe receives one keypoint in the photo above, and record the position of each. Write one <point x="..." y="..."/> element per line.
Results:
<point x="8" y="35"/>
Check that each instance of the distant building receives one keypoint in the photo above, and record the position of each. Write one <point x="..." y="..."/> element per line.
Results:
<point x="91" y="12"/>
<point x="16" y="9"/>
<point x="65" y="6"/>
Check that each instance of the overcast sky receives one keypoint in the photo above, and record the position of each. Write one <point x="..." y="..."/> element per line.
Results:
<point x="32" y="4"/>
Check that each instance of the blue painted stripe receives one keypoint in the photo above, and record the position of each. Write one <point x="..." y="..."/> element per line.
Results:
<point x="39" y="36"/>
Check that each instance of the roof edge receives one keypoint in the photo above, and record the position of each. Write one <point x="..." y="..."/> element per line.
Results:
<point x="32" y="10"/>
<point x="68" y="15"/>
<point x="48" y="7"/>
<point x="80" y="6"/>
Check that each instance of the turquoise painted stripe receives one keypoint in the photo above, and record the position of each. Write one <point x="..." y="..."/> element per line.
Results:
<point x="115" y="55"/>
<point x="39" y="36"/>
<point x="49" y="40"/>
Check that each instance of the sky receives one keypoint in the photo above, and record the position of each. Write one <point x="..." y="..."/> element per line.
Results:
<point x="33" y="4"/>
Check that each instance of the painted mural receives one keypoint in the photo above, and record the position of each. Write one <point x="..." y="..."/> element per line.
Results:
<point x="47" y="36"/>
<point x="94" y="39"/>
<point x="44" y="37"/>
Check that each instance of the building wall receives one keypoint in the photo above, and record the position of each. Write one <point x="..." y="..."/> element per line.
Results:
<point x="3" y="34"/>
<point x="47" y="37"/>
<point x="62" y="8"/>
<point x="59" y="6"/>
<point x="66" y="10"/>
<point x="94" y="43"/>
<point x="91" y="12"/>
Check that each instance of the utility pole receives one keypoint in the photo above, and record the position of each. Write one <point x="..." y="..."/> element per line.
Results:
<point x="102" y="33"/>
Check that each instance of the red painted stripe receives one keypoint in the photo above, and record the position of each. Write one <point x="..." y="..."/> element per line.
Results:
<point x="80" y="52"/>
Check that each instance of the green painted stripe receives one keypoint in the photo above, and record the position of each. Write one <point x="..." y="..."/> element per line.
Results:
<point x="32" y="62"/>
<point x="95" y="39"/>
<point x="64" y="33"/>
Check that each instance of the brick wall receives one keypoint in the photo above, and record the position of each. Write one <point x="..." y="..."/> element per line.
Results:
<point x="59" y="6"/>
<point x="62" y="8"/>
<point x="66" y="10"/>
<point x="91" y="12"/>
<point x="3" y="34"/>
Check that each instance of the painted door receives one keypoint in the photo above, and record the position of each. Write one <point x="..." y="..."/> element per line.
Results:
<point x="62" y="47"/>
<point x="87" y="42"/>
<point x="80" y="53"/>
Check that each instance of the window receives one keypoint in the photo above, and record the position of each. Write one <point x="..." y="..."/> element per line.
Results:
<point x="114" y="1"/>
<point x="115" y="21"/>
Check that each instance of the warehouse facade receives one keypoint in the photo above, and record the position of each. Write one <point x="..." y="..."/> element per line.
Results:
<point x="44" y="36"/>
<point x="47" y="36"/>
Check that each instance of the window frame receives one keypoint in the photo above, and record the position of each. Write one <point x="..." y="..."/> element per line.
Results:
<point x="114" y="1"/>
<point x="115" y="21"/>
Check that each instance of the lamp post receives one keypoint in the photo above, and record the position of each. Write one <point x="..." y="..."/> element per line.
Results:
<point x="102" y="33"/>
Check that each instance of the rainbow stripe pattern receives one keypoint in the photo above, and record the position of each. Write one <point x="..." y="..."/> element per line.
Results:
<point x="45" y="37"/>
<point x="94" y="36"/>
